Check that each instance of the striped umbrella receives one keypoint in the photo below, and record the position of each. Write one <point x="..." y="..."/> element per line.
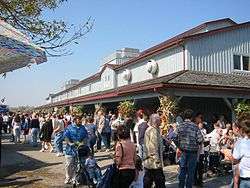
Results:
<point x="17" y="50"/>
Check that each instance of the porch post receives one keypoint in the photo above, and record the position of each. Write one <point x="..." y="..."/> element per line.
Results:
<point x="231" y="106"/>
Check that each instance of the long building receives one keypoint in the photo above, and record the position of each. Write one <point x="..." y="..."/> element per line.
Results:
<point x="207" y="68"/>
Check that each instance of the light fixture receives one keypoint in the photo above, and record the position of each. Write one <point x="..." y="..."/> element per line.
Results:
<point x="152" y="66"/>
<point x="127" y="75"/>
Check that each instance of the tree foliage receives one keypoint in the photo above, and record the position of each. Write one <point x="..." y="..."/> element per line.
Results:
<point x="54" y="36"/>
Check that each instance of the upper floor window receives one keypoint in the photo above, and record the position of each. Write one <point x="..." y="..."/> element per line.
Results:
<point x="241" y="62"/>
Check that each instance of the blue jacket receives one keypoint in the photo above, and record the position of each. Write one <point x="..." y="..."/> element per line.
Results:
<point x="74" y="134"/>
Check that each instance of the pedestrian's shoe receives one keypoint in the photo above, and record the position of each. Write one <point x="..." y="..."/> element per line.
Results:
<point x="59" y="154"/>
<point x="67" y="181"/>
<point x="42" y="150"/>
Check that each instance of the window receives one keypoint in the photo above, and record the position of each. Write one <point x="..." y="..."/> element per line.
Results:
<point x="246" y="63"/>
<point x="89" y="87"/>
<point x="241" y="62"/>
<point x="237" y="62"/>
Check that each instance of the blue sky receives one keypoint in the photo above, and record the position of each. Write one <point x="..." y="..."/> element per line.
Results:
<point x="139" y="24"/>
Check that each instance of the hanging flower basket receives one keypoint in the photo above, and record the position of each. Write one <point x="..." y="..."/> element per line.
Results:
<point x="242" y="110"/>
<point x="126" y="108"/>
<point x="77" y="110"/>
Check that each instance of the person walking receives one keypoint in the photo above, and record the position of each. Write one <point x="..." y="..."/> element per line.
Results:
<point x="189" y="140"/>
<point x="99" y="126"/>
<point x="16" y="124"/>
<point x="25" y="121"/>
<point x="46" y="133"/>
<point x="75" y="135"/>
<point x="58" y="129"/>
<point x="34" y="129"/>
<point x="153" y="154"/>
<point x="198" y="177"/>
<point x="5" y="123"/>
<point x="142" y="127"/>
<point x="103" y="131"/>
<point x="125" y="157"/>
<point x="91" y="129"/>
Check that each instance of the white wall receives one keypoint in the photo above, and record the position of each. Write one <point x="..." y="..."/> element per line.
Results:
<point x="169" y="61"/>
<point x="215" y="53"/>
<point x="108" y="79"/>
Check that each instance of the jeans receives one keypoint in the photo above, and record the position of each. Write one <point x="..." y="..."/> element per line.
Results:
<point x="99" y="141"/>
<point x="92" y="142"/>
<point x="95" y="174"/>
<point x="199" y="170"/>
<point x="17" y="134"/>
<point x="106" y="139"/>
<point x="34" y="136"/>
<point x="154" y="175"/>
<point x="58" y="142"/>
<point x="140" y="150"/>
<point x="187" y="164"/>
<point x="70" y="168"/>
<point x="244" y="183"/>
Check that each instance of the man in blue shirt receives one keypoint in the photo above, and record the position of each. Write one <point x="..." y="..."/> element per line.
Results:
<point x="75" y="135"/>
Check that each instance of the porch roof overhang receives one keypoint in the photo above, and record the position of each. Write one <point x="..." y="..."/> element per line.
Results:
<point x="183" y="83"/>
<point x="17" y="50"/>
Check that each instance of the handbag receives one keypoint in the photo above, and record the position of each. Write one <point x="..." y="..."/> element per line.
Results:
<point x="110" y="177"/>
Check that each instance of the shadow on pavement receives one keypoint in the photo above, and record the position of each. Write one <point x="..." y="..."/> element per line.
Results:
<point x="216" y="182"/>
<point x="17" y="183"/>
<point x="13" y="161"/>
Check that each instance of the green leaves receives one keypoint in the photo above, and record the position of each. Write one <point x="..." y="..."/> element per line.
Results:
<point x="78" y="110"/>
<point x="126" y="108"/>
<point x="242" y="109"/>
<point x="53" y="35"/>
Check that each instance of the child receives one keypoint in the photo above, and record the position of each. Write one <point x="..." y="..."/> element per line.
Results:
<point x="139" y="175"/>
<point x="93" y="169"/>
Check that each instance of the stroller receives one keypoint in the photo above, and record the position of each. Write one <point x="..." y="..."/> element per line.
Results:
<point x="82" y="176"/>
<point x="169" y="153"/>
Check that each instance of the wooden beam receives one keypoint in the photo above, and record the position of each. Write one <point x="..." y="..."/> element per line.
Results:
<point x="228" y="103"/>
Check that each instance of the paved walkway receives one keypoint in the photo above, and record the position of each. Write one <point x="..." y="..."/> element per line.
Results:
<point x="24" y="166"/>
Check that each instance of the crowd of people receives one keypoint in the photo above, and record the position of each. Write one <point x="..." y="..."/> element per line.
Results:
<point x="140" y="145"/>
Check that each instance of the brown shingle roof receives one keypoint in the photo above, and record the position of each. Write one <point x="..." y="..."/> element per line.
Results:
<point x="212" y="79"/>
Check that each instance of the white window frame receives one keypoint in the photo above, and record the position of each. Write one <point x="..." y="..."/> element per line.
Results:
<point x="241" y="62"/>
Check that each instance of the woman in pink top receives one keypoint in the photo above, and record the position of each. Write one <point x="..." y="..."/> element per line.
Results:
<point x="125" y="156"/>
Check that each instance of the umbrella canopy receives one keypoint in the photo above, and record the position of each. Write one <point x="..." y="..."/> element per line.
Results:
<point x="17" y="50"/>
